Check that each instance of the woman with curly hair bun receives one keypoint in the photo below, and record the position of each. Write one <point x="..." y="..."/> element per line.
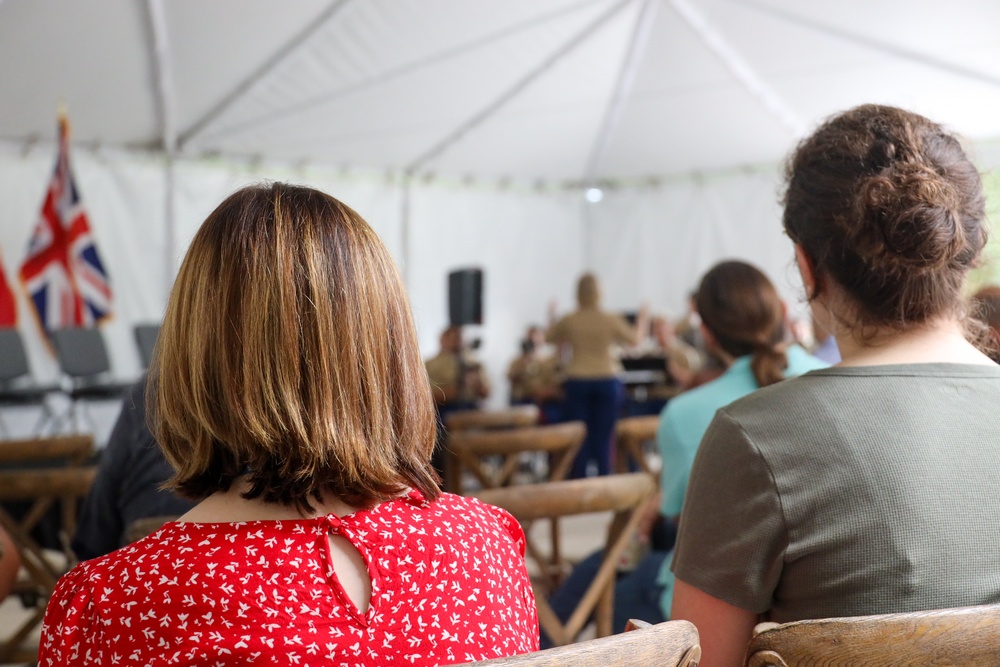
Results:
<point x="858" y="489"/>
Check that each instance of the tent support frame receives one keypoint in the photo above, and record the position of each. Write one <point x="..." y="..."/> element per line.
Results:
<point x="513" y="91"/>
<point x="247" y="84"/>
<point x="739" y="67"/>
<point x="623" y="86"/>
<point x="163" y="72"/>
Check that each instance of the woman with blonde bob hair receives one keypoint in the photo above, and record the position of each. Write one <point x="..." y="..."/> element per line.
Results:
<point x="290" y="398"/>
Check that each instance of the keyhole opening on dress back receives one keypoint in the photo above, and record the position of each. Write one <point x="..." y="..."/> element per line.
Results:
<point x="351" y="571"/>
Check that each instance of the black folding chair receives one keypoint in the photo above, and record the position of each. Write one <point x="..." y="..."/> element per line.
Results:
<point x="17" y="387"/>
<point x="83" y="358"/>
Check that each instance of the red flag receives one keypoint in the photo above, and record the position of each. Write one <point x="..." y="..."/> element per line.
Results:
<point x="63" y="273"/>
<point x="8" y="307"/>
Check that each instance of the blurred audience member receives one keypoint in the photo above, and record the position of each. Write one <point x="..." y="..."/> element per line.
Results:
<point x="130" y="474"/>
<point x="987" y="308"/>
<point x="457" y="378"/>
<point x="824" y="343"/>
<point x="594" y="394"/>
<point x="535" y="377"/>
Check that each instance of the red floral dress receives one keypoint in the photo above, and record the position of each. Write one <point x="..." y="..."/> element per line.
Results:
<point x="448" y="585"/>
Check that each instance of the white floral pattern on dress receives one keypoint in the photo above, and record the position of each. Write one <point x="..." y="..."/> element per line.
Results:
<point x="448" y="580"/>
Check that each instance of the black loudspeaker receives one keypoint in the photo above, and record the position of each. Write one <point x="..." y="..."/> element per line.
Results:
<point x="465" y="297"/>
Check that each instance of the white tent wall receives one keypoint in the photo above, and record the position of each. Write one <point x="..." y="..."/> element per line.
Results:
<point x="648" y="243"/>
<point x="651" y="244"/>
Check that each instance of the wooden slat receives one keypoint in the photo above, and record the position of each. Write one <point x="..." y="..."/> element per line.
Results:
<point x="968" y="636"/>
<point x="515" y="417"/>
<point x="580" y="496"/>
<point x="514" y="441"/>
<point x="35" y="483"/>
<point x="670" y="644"/>
<point x="77" y="447"/>
<point x="630" y="434"/>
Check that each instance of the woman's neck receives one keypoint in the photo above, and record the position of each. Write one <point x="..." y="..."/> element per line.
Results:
<point x="940" y="341"/>
<point x="231" y="507"/>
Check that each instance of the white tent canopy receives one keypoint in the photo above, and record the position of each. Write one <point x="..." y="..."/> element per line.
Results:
<point x="465" y="130"/>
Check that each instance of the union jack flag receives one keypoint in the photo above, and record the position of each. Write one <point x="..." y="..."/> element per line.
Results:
<point x="63" y="273"/>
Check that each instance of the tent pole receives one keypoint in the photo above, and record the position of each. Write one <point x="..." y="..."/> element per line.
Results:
<point x="483" y="115"/>
<point x="623" y="86"/>
<point x="382" y="78"/>
<point x="407" y="250"/>
<point x="739" y="67"/>
<point x="165" y="93"/>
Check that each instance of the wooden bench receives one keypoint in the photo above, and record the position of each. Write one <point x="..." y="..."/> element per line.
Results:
<point x="670" y="644"/>
<point x="968" y="636"/>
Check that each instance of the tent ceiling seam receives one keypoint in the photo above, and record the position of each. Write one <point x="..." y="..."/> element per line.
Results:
<point x="891" y="49"/>
<point x="623" y="86"/>
<point x="739" y="67"/>
<point x="483" y="115"/>
<point x="163" y="74"/>
<point x="397" y="72"/>
<point x="247" y="84"/>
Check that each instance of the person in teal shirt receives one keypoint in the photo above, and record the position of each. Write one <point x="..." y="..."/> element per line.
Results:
<point x="743" y="322"/>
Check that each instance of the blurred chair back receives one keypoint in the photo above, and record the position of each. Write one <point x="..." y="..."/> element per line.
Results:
<point x="81" y="352"/>
<point x="631" y="433"/>
<point x="13" y="360"/>
<point x="518" y="416"/>
<point x="17" y="388"/>
<point x="145" y="340"/>
<point x="626" y="496"/>
<point x="968" y="636"/>
<point x="476" y="450"/>
<point x="561" y="441"/>
<point x="83" y="358"/>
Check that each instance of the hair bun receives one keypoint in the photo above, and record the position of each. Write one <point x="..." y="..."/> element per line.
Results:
<point x="908" y="218"/>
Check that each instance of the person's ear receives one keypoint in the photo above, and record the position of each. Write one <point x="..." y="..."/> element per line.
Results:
<point x="807" y="269"/>
<point x="708" y="337"/>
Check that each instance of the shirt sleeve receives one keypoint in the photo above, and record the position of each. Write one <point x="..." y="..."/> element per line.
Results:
<point x="557" y="333"/>
<point x="625" y="333"/>
<point x="516" y="533"/>
<point x="733" y="537"/>
<point x="512" y="527"/>
<point x="71" y="633"/>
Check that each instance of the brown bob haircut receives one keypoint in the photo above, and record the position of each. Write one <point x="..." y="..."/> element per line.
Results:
<point x="288" y="354"/>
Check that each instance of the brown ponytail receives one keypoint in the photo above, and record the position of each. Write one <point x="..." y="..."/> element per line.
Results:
<point x="742" y="310"/>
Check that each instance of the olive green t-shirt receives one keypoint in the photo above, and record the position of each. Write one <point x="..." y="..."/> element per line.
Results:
<point x="850" y="491"/>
